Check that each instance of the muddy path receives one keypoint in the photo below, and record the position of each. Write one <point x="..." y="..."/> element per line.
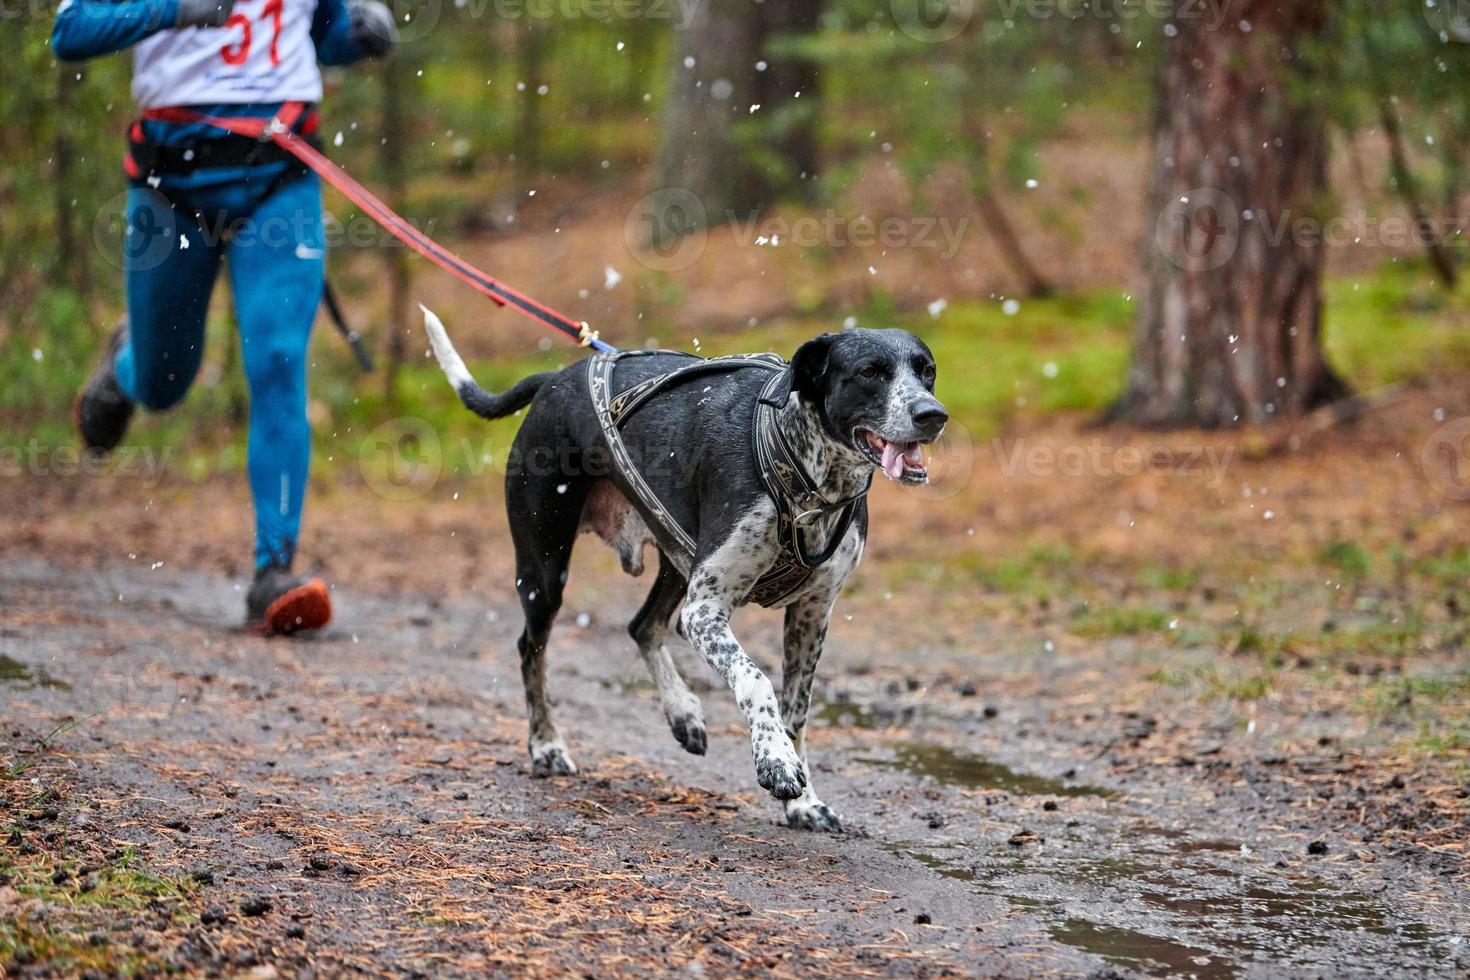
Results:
<point x="361" y="801"/>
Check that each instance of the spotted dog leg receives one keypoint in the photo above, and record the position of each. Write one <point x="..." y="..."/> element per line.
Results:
<point x="806" y="629"/>
<point x="719" y="580"/>
<point x="648" y="629"/>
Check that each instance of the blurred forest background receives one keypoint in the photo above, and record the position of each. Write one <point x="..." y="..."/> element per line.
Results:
<point x="1016" y="154"/>
<point x="1230" y="229"/>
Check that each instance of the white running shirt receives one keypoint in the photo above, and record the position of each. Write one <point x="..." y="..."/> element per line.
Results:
<point x="264" y="53"/>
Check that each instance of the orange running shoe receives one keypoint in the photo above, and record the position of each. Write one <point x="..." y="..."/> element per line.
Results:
<point x="280" y="603"/>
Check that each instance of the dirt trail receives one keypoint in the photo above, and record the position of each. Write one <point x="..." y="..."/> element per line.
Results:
<point x="361" y="801"/>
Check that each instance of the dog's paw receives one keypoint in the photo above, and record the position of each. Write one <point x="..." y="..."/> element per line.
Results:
<point x="690" y="732"/>
<point x="812" y="816"/>
<point x="551" y="760"/>
<point x="783" y="778"/>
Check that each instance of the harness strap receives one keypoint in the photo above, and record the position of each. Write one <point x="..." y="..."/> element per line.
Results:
<point x="785" y="480"/>
<point x="788" y="484"/>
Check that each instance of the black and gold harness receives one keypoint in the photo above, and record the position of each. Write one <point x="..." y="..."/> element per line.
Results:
<point x="795" y="494"/>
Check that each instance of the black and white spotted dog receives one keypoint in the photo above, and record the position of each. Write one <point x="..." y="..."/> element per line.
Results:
<point x="848" y="403"/>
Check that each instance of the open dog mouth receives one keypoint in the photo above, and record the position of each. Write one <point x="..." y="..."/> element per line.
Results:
<point x="901" y="462"/>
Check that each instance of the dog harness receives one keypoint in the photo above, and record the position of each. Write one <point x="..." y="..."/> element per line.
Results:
<point x="795" y="494"/>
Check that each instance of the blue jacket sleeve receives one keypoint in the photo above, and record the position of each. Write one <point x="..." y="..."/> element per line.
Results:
<point x="329" y="31"/>
<point x="88" y="28"/>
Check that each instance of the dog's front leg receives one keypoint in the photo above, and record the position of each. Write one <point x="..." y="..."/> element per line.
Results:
<point x="720" y="578"/>
<point x="805" y="631"/>
<point x="706" y="622"/>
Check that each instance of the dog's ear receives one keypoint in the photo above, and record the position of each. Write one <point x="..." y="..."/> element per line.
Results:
<point x="806" y="371"/>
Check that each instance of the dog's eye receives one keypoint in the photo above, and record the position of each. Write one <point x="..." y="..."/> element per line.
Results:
<point x="870" y="372"/>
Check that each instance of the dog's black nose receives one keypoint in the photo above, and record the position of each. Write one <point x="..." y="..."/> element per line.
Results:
<point x="929" y="415"/>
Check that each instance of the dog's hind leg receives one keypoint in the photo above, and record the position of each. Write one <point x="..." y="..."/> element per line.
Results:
<point x="805" y="631"/>
<point x="648" y="629"/>
<point x="543" y="527"/>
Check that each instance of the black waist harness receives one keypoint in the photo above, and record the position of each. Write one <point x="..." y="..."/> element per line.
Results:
<point x="145" y="158"/>
<point x="796" y="497"/>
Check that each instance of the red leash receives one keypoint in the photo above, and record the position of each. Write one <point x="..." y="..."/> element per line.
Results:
<point x="280" y="130"/>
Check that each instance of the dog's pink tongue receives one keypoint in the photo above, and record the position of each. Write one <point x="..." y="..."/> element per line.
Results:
<point x="893" y="460"/>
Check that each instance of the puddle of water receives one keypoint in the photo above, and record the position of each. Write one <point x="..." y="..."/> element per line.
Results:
<point x="1140" y="951"/>
<point x="956" y="768"/>
<point x="1307" y="906"/>
<point x="1219" y="928"/>
<point x="855" y="714"/>
<point x="17" y="674"/>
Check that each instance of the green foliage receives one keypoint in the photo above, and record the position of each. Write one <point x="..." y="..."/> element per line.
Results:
<point x="985" y="99"/>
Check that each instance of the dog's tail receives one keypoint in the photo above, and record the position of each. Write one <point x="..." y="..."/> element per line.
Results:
<point x="486" y="404"/>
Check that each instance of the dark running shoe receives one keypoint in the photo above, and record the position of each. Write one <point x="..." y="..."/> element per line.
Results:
<point x="101" y="410"/>
<point x="281" y="603"/>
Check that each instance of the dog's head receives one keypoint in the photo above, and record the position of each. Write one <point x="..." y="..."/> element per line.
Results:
<point x="874" y="393"/>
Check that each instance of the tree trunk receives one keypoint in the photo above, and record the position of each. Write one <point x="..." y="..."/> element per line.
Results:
<point x="1229" y="324"/>
<point x="713" y="86"/>
<point x="394" y="140"/>
<point x="531" y="59"/>
<point x="788" y="86"/>
<point x="1408" y="188"/>
<point x="72" y="267"/>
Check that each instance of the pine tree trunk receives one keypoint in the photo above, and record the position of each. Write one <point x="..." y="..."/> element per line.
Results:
<point x="713" y="87"/>
<point x="1229" y="325"/>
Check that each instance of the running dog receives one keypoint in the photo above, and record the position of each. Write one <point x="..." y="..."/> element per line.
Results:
<point x="748" y="475"/>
